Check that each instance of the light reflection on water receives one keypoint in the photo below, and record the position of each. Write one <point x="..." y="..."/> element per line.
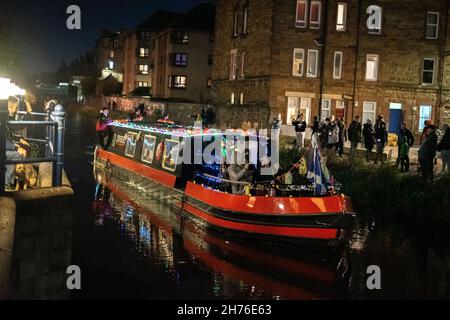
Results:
<point x="198" y="263"/>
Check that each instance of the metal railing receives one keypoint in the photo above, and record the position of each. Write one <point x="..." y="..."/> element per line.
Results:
<point x="54" y="122"/>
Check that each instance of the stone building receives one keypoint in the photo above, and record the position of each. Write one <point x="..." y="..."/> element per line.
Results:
<point x="335" y="57"/>
<point x="182" y="57"/>
<point x="109" y="54"/>
<point x="137" y="59"/>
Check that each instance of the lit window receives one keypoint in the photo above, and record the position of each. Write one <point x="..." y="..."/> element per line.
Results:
<point x="326" y="109"/>
<point x="372" y="67"/>
<point x="369" y="110"/>
<point x="233" y="64"/>
<point x="425" y="114"/>
<point x="177" y="82"/>
<point x="232" y="100"/>
<point x="241" y="98"/>
<point x="312" y="63"/>
<point x="110" y="65"/>
<point x="432" y="25"/>
<point x="142" y="84"/>
<point x="243" y="55"/>
<point x="341" y="19"/>
<point x="111" y="54"/>
<point x="428" y="71"/>
<point x="142" y="68"/>
<point x="297" y="64"/>
<point x="180" y="59"/>
<point x="300" y="18"/>
<point x="337" y="66"/>
<point x="209" y="82"/>
<point x="314" y="16"/>
<point x="143" y="52"/>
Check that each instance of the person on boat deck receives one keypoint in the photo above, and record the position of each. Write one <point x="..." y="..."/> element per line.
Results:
<point x="103" y="129"/>
<point x="137" y="115"/>
<point x="239" y="173"/>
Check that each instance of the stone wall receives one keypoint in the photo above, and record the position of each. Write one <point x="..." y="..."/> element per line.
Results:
<point x="37" y="248"/>
<point x="227" y="116"/>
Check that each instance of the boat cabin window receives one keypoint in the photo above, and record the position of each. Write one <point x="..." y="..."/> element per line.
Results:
<point x="171" y="150"/>
<point x="148" y="150"/>
<point x="130" y="146"/>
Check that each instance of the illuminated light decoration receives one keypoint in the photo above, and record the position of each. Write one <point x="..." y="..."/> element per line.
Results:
<point x="4" y="88"/>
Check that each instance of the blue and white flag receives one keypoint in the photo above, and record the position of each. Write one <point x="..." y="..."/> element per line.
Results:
<point x="315" y="172"/>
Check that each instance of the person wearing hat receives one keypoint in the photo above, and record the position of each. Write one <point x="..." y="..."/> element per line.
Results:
<point x="404" y="133"/>
<point x="381" y="137"/>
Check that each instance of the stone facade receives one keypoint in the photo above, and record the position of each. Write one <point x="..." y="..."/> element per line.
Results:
<point x="109" y="54"/>
<point x="273" y="35"/>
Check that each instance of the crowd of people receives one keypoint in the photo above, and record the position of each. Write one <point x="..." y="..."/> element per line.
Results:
<point x="333" y="133"/>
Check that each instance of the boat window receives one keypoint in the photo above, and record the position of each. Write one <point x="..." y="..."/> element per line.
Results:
<point x="148" y="150"/>
<point x="171" y="150"/>
<point x="130" y="146"/>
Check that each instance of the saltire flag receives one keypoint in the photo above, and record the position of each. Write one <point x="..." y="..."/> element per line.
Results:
<point x="315" y="172"/>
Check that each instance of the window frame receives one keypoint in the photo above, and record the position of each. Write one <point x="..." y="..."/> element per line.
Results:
<point x="144" y="52"/>
<point x="127" y="153"/>
<point x="377" y="67"/>
<point x="242" y="65"/>
<point x="326" y="109"/>
<point x="294" y="73"/>
<point x="165" y="154"/>
<point x="301" y="23"/>
<point x="433" y="71"/>
<point x="175" y="61"/>
<point x="316" y="68"/>
<point x="344" y="17"/>
<point x="379" y="31"/>
<point x="233" y="64"/>
<point x="180" y="37"/>
<point x="436" y="25"/>
<point x="236" y="21"/>
<point x="338" y="77"/>
<point x="143" y="71"/>
<point x="174" y="85"/>
<point x="319" y="15"/>
<point x="422" y="119"/>
<point x="374" y="112"/>
<point x="152" y="152"/>
<point x="245" y="19"/>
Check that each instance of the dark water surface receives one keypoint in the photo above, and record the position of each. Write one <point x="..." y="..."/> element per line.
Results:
<point x="132" y="247"/>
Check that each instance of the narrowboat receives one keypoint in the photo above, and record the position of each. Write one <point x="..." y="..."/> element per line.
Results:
<point x="170" y="162"/>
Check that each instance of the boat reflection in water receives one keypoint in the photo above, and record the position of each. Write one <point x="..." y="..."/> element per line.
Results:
<point x="239" y="268"/>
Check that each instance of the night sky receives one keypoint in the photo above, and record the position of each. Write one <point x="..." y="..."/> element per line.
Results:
<point x="39" y="26"/>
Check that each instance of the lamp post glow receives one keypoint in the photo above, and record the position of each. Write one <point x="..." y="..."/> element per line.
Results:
<point x="5" y="88"/>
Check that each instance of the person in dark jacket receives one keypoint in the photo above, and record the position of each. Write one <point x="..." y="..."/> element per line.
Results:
<point x="381" y="137"/>
<point x="369" y="140"/>
<point x="427" y="152"/>
<point x="300" y="129"/>
<point x="104" y="132"/>
<point x="316" y="125"/>
<point x="404" y="133"/>
<point x="444" y="148"/>
<point x="342" y="136"/>
<point x="354" y="135"/>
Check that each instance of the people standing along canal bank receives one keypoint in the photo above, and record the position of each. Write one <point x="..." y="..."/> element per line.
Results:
<point x="381" y="137"/>
<point x="369" y="139"/>
<point x="354" y="135"/>
<point x="405" y="136"/>
<point x="300" y="129"/>
<point x="427" y="152"/>
<point x="342" y="136"/>
<point x="444" y="148"/>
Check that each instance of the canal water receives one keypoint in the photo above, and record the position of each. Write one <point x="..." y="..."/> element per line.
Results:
<point x="132" y="247"/>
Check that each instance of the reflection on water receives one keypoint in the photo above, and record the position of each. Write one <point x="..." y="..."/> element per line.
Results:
<point x="237" y="267"/>
<point x="132" y="247"/>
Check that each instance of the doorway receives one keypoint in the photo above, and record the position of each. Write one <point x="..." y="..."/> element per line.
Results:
<point x="395" y="117"/>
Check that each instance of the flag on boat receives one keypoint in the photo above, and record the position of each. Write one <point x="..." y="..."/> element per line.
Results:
<point x="315" y="171"/>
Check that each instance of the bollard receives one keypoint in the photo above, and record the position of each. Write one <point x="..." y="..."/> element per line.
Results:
<point x="3" y="120"/>
<point x="58" y="115"/>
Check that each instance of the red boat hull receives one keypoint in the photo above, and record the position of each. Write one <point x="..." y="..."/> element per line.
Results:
<point x="311" y="218"/>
